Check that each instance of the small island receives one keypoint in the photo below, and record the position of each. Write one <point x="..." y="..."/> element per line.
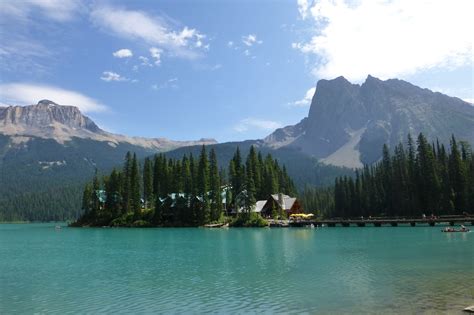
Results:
<point x="190" y="192"/>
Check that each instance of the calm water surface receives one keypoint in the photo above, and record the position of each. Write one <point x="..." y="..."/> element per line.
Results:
<point x="329" y="270"/>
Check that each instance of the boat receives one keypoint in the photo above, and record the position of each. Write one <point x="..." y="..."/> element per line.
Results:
<point x="216" y="225"/>
<point x="451" y="230"/>
<point x="469" y="309"/>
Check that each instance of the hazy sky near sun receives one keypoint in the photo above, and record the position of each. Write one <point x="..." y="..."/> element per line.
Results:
<point x="229" y="70"/>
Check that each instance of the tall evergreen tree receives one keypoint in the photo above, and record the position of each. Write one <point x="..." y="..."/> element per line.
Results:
<point x="215" y="187"/>
<point x="126" y="189"/>
<point x="147" y="182"/>
<point x="113" y="194"/>
<point x="458" y="177"/>
<point x="203" y="187"/>
<point x="250" y="191"/>
<point x="135" y="197"/>
<point x="237" y="176"/>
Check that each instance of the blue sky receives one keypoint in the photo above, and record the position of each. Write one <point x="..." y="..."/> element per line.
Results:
<point x="229" y="70"/>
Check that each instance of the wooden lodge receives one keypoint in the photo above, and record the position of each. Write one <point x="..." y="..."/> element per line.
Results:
<point x="278" y="203"/>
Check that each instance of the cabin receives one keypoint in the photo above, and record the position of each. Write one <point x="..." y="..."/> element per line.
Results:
<point x="274" y="203"/>
<point x="280" y="203"/>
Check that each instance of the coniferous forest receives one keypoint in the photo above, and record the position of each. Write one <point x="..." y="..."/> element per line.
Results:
<point x="422" y="178"/>
<point x="191" y="191"/>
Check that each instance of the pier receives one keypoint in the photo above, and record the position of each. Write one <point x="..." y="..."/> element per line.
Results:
<point x="379" y="222"/>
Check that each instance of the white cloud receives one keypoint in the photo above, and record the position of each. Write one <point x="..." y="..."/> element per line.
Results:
<point x="27" y="94"/>
<point x="255" y="123"/>
<point x="469" y="100"/>
<point x="109" y="76"/>
<point x="250" y="40"/>
<point x="303" y="7"/>
<point x="145" y="61"/>
<point x="306" y="100"/>
<point x="172" y="83"/>
<point x="21" y="51"/>
<point x="56" y="10"/>
<point x="153" y="30"/>
<point x="388" y="38"/>
<point x="246" y="52"/>
<point x="123" y="53"/>
<point x="230" y="43"/>
<point x="156" y="54"/>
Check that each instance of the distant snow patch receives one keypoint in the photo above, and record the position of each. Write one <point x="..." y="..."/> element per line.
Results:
<point x="47" y="164"/>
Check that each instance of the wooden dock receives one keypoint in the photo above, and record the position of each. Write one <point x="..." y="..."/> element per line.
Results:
<point x="378" y="222"/>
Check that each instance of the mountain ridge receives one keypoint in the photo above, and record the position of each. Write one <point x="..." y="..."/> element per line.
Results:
<point x="347" y="121"/>
<point x="50" y="120"/>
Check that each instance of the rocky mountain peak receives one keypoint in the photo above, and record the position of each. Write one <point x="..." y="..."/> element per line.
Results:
<point x="44" y="116"/>
<point x="46" y="102"/>
<point x="348" y="123"/>
<point x="62" y="123"/>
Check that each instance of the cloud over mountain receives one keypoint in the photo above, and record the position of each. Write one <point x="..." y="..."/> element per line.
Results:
<point x="387" y="38"/>
<point x="28" y="93"/>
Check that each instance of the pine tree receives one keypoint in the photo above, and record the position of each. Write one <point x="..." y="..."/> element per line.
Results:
<point x="126" y="183"/>
<point x="113" y="196"/>
<point x="387" y="180"/>
<point x="400" y="194"/>
<point x="412" y="178"/>
<point x="135" y="198"/>
<point x="237" y="176"/>
<point x="253" y="163"/>
<point x="458" y="177"/>
<point x="147" y="182"/>
<point x="203" y="187"/>
<point x="250" y="191"/>
<point x="215" y="187"/>
<point x="96" y="205"/>
<point x="157" y="178"/>
<point x="188" y="217"/>
<point x="87" y="196"/>
<point x="427" y="177"/>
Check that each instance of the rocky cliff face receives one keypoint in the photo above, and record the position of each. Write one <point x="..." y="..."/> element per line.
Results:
<point x="348" y="123"/>
<point x="43" y="118"/>
<point x="49" y="120"/>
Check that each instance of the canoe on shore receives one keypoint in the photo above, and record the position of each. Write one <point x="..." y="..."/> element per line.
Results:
<point x="216" y="225"/>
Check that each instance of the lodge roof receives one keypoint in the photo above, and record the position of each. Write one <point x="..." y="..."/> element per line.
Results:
<point x="287" y="201"/>
<point x="259" y="205"/>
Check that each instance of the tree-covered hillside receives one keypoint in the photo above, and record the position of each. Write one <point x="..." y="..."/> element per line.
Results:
<point x="422" y="178"/>
<point x="42" y="180"/>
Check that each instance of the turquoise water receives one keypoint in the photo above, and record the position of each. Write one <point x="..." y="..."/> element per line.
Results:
<point x="329" y="270"/>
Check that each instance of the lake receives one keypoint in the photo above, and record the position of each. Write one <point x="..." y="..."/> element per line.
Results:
<point x="292" y="270"/>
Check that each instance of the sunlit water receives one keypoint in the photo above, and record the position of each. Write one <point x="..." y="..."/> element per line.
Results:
<point x="329" y="270"/>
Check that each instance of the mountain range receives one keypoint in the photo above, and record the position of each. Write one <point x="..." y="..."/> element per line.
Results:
<point x="48" y="151"/>
<point x="62" y="123"/>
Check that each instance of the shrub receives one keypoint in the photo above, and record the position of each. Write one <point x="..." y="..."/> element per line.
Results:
<point x="249" y="220"/>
